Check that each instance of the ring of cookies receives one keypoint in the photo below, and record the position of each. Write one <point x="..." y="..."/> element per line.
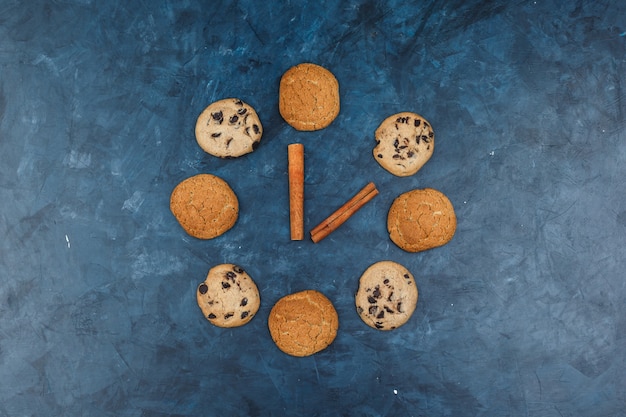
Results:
<point x="304" y="323"/>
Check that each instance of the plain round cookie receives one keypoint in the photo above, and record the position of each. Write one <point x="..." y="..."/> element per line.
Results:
<point x="404" y="143"/>
<point x="205" y="206"/>
<point x="308" y="97"/>
<point x="303" y="323"/>
<point x="228" y="128"/>
<point x="421" y="219"/>
<point x="228" y="297"/>
<point x="387" y="295"/>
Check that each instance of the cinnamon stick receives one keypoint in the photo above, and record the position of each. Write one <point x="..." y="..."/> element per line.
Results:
<point x="295" y="154"/>
<point x="339" y="217"/>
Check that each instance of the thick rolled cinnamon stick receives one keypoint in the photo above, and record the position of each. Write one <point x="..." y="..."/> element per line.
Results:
<point x="295" y="154"/>
<point x="339" y="217"/>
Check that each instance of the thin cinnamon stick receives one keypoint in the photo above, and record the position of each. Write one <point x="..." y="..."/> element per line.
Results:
<point x="339" y="217"/>
<point x="295" y="154"/>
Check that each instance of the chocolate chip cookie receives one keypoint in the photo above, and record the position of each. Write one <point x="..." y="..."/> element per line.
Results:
<point x="205" y="206"/>
<point x="404" y="143"/>
<point x="228" y="128"/>
<point x="228" y="297"/>
<point x="303" y="323"/>
<point x="308" y="97"/>
<point x="387" y="295"/>
<point x="419" y="220"/>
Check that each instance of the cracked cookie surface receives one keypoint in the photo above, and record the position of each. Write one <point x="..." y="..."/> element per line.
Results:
<point x="308" y="97"/>
<point x="421" y="219"/>
<point x="205" y="206"/>
<point x="387" y="295"/>
<point x="228" y="297"/>
<point x="404" y="143"/>
<point x="228" y="128"/>
<point x="303" y="323"/>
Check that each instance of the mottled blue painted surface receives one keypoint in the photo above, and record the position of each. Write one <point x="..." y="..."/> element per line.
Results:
<point x="522" y="314"/>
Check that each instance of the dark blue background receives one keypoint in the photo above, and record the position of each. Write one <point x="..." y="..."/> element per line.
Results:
<point x="523" y="313"/>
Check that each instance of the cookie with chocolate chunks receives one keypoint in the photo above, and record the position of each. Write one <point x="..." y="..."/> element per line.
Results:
<point x="228" y="128"/>
<point x="404" y="143"/>
<point x="303" y="323"/>
<point x="387" y="295"/>
<point x="228" y="297"/>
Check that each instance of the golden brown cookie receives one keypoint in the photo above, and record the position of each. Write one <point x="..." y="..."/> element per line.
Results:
<point x="205" y="206"/>
<point x="404" y="143"/>
<point x="228" y="128"/>
<point x="387" y="295"/>
<point x="308" y="97"/>
<point x="228" y="297"/>
<point x="303" y="323"/>
<point x="421" y="219"/>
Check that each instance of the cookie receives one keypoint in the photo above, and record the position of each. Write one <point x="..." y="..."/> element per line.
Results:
<point x="387" y="295"/>
<point x="308" y="97"/>
<point x="228" y="128"/>
<point x="303" y="323"/>
<point x="404" y="143"/>
<point x="419" y="220"/>
<point x="228" y="297"/>
<point x="205" y="206"/>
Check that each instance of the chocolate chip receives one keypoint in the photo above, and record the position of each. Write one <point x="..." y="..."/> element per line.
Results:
<point x="228" y="142"/>
<point x="388" y="310"/>
<point x="425" y="138"/>
<point x="386" y="281"/>
<point x="245" y="314"/>
<point x="231" y="275"/>
<point x="416" y="122"/>
<point x="256" y="129"/>
<point x="244" y="302"/>
<point x="390" y="295"/>
<point x="380" y="155"/>
<point x="371" y="300"/>
<point x="376" y="292"/>
<point x="242" y="111"/>
<point x="379" y="325"/>
<point x="410" y="154"/>
<point x="239" y="102"/>
<point x="212" y="316"/>
<point x="431" y="134"/>
<point x="233" y="119"/>
<point x="407" y="276"/>
<point x="216" y="134"/>
<point x="373" y="310"/>
<point x="202" y="289"/>
<point x="381" y="315"/>
<point x="396" y="143"/>
<point x="228" y="315"/>
<point x="399" y="307"/>
<point x="359" y="310"/>
<point x="218" y="117"/>
<point x="225" y="285"/>
<point x="238" y="269"/>
<point x="255" y="145"/>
